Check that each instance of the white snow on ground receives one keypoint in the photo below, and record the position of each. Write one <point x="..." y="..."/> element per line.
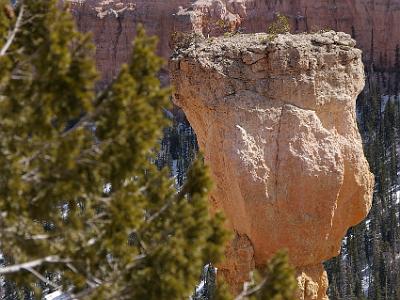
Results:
<point x="385" y="99"/>
<point x="57" y="295"/>
<point x="168" y="113"/>
<point x="200" y="287"/>
<point x="365" y="280"/>
<point x="107" y="188"/>
<point x="174" y="167"/>
<point x="174" y="171"/>
<point x="367" y="224"/>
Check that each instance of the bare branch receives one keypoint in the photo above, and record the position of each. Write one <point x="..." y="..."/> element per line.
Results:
<point x="90" y="115"/>
<point x="72" y="268"/>
<point x="13" y="33"/>
<point x="37" y="237"/>
<point x="85" y="119"/>
<point x="135" y="261"/>
<point x="42" y="278"/>
<point x="83" y="293"/>
<point x="246" y="293"/>
<point x="160" y="211"/>
<point x="170" y="202"/>
<point x="32" y="264"/>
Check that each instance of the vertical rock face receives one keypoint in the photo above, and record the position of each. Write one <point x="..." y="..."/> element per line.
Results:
<point x="375" y="24"/>
<point x="113" y="26"/>
<point x="276" y="122"/>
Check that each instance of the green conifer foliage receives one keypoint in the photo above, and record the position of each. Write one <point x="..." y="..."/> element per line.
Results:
<point x="280" y="280"/>
<point x="80" y="199"/>
<point x="279" y="26"/>
<point x="277" y="281"/>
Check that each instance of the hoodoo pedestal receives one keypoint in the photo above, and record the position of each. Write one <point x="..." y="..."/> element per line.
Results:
<point x="275" y="118"/>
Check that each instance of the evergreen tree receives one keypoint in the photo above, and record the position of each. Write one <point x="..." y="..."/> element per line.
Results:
<point x="397" y="71"/>
<point x="82" y="208"/>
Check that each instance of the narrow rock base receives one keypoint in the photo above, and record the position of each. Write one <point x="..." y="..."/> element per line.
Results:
<point x="238" y="264"/>
<point x="313" y="283"/>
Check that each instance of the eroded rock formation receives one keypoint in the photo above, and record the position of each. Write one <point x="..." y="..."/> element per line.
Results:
<point x="276" y="122"/>
<point x="375" y="24"/>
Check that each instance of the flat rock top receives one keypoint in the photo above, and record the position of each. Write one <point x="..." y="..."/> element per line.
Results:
<point x="234" y="45"/>
<point x="313" y="71"/>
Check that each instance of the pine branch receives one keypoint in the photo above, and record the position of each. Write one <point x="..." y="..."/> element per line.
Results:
<point x="247" y="293"/>
<point x="87" y="117"/>
<point x="180" y="195"/>
<point x="42" y="278"/>
<point x="32" y="264"/>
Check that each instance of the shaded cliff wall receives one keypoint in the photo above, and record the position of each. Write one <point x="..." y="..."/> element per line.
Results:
<point x="113" y="25"/>
<point x="374" y="23"/>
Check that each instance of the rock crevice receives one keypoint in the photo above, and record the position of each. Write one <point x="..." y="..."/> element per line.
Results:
<point x="276" y="122"/>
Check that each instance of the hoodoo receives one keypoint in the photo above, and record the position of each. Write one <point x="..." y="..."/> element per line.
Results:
<point x="275" y="118"/>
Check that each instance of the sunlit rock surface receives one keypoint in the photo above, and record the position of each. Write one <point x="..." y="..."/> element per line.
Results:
<point x="276" y="121"/>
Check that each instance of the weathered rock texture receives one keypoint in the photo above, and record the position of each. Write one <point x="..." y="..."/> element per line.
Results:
<point x="276" y="122"/>
<point x="375" y="24"/>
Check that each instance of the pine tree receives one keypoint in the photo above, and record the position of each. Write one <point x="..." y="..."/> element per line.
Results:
<point x="397" y="71"/>
<point x="82" y="207"/>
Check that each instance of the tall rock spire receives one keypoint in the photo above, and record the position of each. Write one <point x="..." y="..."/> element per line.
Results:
<point x="275" y="118"/>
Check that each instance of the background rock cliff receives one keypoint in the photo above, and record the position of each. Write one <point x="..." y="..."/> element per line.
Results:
<point x="374" y="23"/>
<point x="276" y="122"/>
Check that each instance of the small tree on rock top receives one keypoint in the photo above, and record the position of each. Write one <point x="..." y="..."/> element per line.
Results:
<point x="279" y="26"/>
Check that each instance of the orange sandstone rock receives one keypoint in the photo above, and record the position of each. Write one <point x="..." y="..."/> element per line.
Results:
<point x="276" y="122"/>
